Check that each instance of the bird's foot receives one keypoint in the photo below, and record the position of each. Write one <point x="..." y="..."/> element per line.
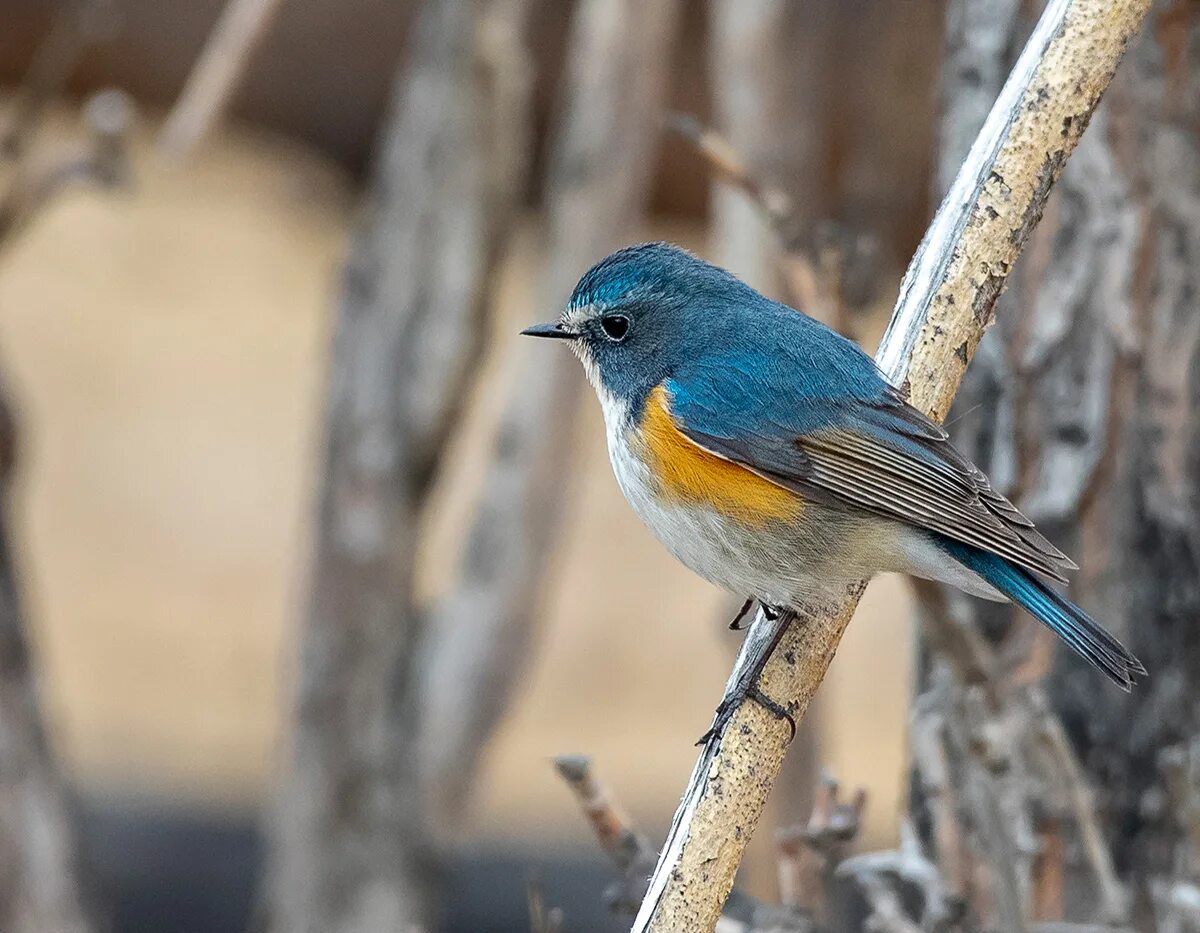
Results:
<point x="729" y="705"/>
<point x="739" y="620"/>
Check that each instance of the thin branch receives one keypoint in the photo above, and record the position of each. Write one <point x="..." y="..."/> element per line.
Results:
<point x="217" y="74"/>
<point x="808" y="854"/>
<point x="1115" y="900"/>
<point x="634" y="858"/>
<point x="721" y="156"/>
<point x="816" y="257"/>
<point x="541" y="918"/>
<point x="78" y="24"/>
<point x="629" y="850"/>
<point x="103" y="161"/>
<point x="945" y="303"/>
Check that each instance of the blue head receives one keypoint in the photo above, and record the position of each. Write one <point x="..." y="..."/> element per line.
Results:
<point x="638" y="315"/>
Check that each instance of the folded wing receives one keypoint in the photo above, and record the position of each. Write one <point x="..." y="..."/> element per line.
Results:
<point x="868" y="450"/>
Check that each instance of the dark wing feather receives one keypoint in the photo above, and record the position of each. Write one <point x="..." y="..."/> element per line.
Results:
<point x="885" y="457"/>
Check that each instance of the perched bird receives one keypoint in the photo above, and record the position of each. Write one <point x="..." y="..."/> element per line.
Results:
<point x="771" y="456"/>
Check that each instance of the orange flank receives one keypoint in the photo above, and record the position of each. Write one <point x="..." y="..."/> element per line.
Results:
<point x="686" y="472"/>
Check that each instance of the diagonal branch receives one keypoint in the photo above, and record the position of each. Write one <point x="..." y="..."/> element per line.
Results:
<point x="217" y="75"/>
<point x="945" y="304"/>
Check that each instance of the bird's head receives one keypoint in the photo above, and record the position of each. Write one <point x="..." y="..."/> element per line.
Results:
<point x="640" y="313"/>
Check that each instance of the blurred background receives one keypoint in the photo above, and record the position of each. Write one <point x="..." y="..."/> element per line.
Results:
<point x="313" y="567"/>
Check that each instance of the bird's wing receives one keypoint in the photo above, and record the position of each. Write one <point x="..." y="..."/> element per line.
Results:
<point x="857" y="445"/>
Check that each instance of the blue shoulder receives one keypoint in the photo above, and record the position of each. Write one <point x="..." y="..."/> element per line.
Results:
<point x="785" y="374"/>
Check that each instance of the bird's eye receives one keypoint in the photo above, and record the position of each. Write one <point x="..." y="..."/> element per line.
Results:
<point x="615" y="326"/>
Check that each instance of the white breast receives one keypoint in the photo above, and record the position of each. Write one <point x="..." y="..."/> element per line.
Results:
<point x="698" y="537"/>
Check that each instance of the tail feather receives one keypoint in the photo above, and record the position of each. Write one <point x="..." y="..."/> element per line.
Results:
<point x="1074" y="626"/>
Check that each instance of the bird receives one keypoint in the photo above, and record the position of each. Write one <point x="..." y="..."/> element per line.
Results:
<point x="771" y="456"/>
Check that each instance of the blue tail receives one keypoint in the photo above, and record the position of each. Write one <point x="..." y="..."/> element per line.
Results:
<point x="1070" y="623"/>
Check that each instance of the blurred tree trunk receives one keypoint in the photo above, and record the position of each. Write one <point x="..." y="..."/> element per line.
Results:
<point x="397" y="701"/>
<point x="1086" y="409"/>
<point x="598" y="181"/>
<point x="352" y="851"/>
<point x="40" y="876"/>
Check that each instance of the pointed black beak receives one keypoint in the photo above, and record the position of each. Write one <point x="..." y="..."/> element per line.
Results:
<point x="553" y="331"/>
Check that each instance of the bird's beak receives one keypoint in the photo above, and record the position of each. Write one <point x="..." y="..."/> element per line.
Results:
<point x="554" y="331"/>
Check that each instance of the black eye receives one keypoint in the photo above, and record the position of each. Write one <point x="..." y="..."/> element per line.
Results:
<point x="615" y="326"/>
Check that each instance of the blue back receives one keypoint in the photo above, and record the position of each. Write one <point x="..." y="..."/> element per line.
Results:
<point x="728" y="351"/>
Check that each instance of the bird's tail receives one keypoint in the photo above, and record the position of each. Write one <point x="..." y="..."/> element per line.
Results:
<point x="1070" y="623"/>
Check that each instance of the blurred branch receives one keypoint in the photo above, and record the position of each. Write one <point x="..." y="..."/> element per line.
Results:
<point x="628" y="849"/>
<point x="396" y="704"/>
<point x="634" y="858"/>
<point x="541" y="918"/>
<point x="102" y="161"/>
<point x="217" y="74"/>
<point x="352" y="835"/>
<point x="599" y="176"/>
<point x="809" y="854"/>
<point x="906" y="866"/>
<point x="77" y="25"/>
<point x="946" y="300"/>
<point x="41" y="878"/>
<point x="1114" y="898"/>
<point x="818" y="255"/>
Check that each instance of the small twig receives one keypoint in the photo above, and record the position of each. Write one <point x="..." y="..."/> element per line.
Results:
<point x="630" y="852"/>
<point x="887" y="913"/>
<point x="102" y="161"/>
<point x="815" y="260"/>
<point x="541" y="919"/>
<point x="906" y="864"/>
<point x="634" y="858"/>
<point x="1115" y="900"/>
<point x="808" y="854"/>
<point x="217" y="74"/>
<point x="723" y="158"/>
<point x="79" y="24"/>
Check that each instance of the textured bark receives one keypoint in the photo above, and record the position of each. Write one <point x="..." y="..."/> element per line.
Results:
<point x="945" y="303"/>
<point x="597" y="187"/>
<point x="1089" y="418"/>
<point x="352" y="849"/>
<point x="40" y="874"/>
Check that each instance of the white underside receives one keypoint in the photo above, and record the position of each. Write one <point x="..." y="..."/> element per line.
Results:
<point x="810" y="560"/>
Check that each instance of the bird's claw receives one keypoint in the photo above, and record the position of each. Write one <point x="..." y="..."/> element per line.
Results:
<point x="729" y="705"/>
<point x="739" y="620"/>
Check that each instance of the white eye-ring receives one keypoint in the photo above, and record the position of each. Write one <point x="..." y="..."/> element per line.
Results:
<point x="615" y="327"/>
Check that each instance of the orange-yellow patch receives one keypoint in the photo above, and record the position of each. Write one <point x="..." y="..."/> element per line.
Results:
<point x="689" y="473"/>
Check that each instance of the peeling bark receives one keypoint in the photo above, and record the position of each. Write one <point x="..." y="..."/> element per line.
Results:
<point x="1085" y="412"/>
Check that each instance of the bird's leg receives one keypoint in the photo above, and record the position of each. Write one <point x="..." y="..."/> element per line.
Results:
<point x="748" y="686"/>
<point x="739" y="620"/>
